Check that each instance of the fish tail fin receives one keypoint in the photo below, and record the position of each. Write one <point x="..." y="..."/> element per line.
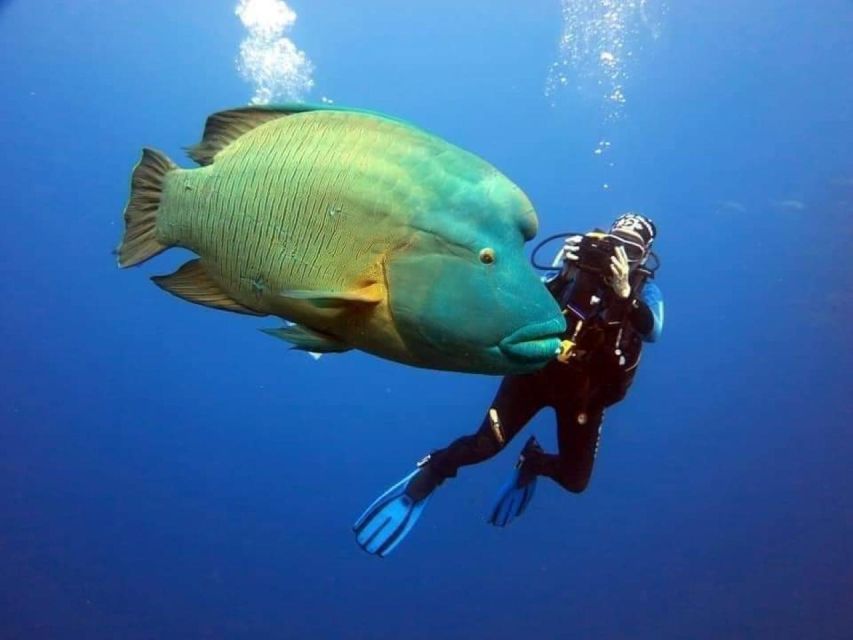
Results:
<point x="140" y="215"/>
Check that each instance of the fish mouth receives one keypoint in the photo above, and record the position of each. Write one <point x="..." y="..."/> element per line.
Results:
<point x="534" y="343"/>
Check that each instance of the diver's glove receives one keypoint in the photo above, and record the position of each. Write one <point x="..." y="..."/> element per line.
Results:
<point x="619" y="268"/>
<point x="571" y="248"/>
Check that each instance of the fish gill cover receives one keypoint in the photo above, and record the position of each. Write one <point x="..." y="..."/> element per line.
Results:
<point x="269" y="60"/>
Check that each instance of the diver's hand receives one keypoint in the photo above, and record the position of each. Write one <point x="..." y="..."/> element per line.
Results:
<point x="571" y="248"/>
<point x="619" y="268"/>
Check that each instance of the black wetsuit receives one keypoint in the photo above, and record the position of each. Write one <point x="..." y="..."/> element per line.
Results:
<point x="599" y="374"/>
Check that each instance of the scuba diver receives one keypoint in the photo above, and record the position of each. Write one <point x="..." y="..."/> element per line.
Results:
<point x="610" y="310"/>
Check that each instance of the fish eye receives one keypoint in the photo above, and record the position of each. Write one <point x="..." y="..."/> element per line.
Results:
<point x="487" y="255"/>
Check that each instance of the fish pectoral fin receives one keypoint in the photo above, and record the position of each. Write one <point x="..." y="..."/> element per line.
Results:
<point x="308" y="340"/>
<point x="366" y="296"/>
<point x="192" y="283"/>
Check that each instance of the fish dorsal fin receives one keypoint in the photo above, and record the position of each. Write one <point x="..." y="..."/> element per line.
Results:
<point x="192" y="283"/>
<point x="224" y="127"/>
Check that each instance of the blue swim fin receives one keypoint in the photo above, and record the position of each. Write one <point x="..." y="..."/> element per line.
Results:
<point x="517" y="492"/>
<point x="393" y="514"/>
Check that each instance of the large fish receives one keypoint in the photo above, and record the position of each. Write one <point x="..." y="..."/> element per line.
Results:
<point x="362" y="230"/>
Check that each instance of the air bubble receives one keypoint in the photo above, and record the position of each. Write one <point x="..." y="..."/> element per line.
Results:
<point x="272" y="63"/>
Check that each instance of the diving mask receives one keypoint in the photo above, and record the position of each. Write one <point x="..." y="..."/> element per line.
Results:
<point x="635" y="248"/>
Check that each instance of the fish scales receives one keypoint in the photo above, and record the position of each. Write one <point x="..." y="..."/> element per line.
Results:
<point x="235" y="225"/>
<point x="311" y="210"/>
<point x="289" y="245"/>
<point x="264" y="168"/>
<point x="298" y="154"/>
<point x="254" y="254"/>
<point x="332" y="189"/>
<point x="303" y="222"/>
<point x="231" y="208"/>
<point x="248" y="203"/>
<point x="284" y="239"/>
<point x="320" y="211"/>
<point x="255" y="259"/>
<point x="335" y="244"/>
<point x="294" y="151"/>
<point x="332" y="239"/>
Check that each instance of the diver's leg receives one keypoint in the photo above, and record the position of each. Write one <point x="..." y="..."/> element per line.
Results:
<point x="578" y="435"/>
<point x="390" y="518"/>
<point x="518" y="399"/>
<point x="578" y="428"/>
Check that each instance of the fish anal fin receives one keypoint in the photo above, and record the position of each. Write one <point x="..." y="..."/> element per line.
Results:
<point x="192" y="283"/>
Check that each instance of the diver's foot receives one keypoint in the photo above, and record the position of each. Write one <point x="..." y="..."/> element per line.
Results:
<point x="392" y="515"/>
<point x="517" y="491"/>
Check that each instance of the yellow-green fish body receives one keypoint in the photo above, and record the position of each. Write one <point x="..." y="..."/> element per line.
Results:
<point x="314" y="215"/>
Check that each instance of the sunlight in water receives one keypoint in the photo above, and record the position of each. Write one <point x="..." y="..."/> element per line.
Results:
<point x="269" y="60"/>
<point x="599" y="40"/>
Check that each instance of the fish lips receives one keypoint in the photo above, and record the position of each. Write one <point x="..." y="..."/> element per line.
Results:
<point x="534" y="343"/>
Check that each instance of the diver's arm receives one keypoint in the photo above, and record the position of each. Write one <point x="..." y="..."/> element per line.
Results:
<point x="643" y="312"/>
<point x="647" y="313"/>
<point x="567" y="257"/>
<point x="641" y="318"/>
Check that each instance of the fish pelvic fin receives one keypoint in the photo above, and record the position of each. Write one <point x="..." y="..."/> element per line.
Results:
<point x="309" y="340"/>
<point x="192" y="283"/>
<point x="140" y="215"/>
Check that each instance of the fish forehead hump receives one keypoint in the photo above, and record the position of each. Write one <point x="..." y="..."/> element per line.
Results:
<point x="399" y="168"/>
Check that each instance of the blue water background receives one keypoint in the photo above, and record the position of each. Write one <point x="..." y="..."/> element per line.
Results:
<point x="168" y="471"/>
